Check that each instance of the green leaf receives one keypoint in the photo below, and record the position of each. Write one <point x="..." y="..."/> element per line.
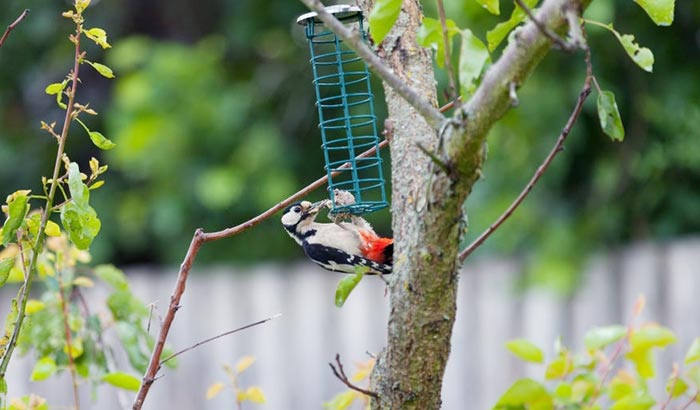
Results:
<point x="99" y="36"/>
<point x="101" y="141"/>
<point x="112" y="276"/>
<point x="52" y="229"/>
<point x="525" y="350"/>
<point x="491" y="5"/>
<point x="129" y="335"/>
<point x="651" y="336"/>
<point x="43" y="369"/>
<point x="637" y="402"/>
<point x="3" y="386"/>
<point x="600" y="337"/>
<point x="640" y="55"/>
<point x="675" y="386"/>
<point x="77" y="216"/>
<point x="82" y="224"/>
<point x="102" y="69"/>
<point x="660" y="11"/>
<point x="126" y="307"/>
<point x="525" y="394"/>
<point x="693" y="354"/>
<point x="496" y="35"/>
<point x="9" y="326"/>
<point x="57" y="89"/>
<point x="559" y="367"/>
<point x="122" y="380"/>
<point x="79" y="193"/>
<point x="623" y="384"/>
<point x="609" y="116"/>
<point x="473" y="55"/>
<point x="6" y="265"/>
<point x="347" y="284"/>
<point x="17" y="209"/>
<point x="341" y="401"/>
<point x="430" y="35"/>
<point x="97" y="138"/>
<point x="382" y="18"/>
<point x="643" y="361"/>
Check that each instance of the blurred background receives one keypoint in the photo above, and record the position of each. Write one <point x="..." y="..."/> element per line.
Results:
<point x="213" y="112"/>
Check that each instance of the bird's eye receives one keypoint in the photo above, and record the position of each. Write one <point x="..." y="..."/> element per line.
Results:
<point x="297" y="209"/>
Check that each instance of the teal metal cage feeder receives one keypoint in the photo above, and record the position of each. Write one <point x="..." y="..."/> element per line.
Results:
<point x="346" y="113"/>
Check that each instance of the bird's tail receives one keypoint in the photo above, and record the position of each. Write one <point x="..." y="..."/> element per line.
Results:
<point x="376" y="248"/>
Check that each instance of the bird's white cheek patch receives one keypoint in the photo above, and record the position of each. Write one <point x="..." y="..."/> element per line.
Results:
<point x="290" y="218"/>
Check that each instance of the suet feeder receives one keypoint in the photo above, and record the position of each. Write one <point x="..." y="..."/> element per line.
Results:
<point x="346" y="113"/>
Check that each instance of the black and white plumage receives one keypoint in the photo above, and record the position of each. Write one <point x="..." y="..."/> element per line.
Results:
<point x="336" y="247"/>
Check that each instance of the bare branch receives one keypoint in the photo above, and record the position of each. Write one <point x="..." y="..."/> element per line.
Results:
<point x="558" y="147"/>
<point x="340" y="374"/>
<point x="354" y="40"/>
<point x="13" y="25"/>
<point x="568" y="47"/>
<point x="230" y="332"/>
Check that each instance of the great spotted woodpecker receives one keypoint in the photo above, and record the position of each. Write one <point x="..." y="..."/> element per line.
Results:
<point x="338" y="247"/>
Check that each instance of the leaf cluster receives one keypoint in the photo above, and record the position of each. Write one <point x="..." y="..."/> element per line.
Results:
<point x="612" y="372"/>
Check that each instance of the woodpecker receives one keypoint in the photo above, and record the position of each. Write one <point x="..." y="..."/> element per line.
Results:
<point x="337" y="247"/>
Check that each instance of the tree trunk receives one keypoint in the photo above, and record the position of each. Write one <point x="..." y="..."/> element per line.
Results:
<point x="427" y="200"/>
<point x="423" y="289"/>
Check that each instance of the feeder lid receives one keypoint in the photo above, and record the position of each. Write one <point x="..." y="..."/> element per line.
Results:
<point x="341" y="12"/>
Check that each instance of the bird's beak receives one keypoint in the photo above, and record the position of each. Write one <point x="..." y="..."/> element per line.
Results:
<point x="316" y="206"/>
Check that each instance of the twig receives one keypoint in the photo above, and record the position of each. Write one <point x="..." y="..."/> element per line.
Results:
<point x="340" y="374"/>
<point x="197" y="240"/>
<point x="452" y="93"/>
<point x="691" y="401"/>
<point x="437" y="161"/>
<point x="558" y="147"/>
<point x="674" y="375"/>
<point x="13" y="25"/>
<point x="353" y="39"/>
<point x="568" y="47"/>
<point x="69" y="339"/>
<point x="230" y="332"/>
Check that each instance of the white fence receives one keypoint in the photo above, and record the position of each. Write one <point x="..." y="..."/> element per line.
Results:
<point x="293" y="351"/>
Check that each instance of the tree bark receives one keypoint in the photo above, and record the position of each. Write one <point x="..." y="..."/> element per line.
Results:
<point x="427" y="200"/>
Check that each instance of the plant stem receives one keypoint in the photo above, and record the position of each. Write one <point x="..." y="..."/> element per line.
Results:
<point x="452" y="93"/>
<point x="69" y="338"/>
<point x="23" y="294"/>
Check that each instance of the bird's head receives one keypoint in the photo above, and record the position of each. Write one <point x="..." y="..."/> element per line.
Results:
<point x="300" y="214"/>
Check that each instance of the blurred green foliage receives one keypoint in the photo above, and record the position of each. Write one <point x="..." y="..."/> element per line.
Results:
<point x="213" y="112"/>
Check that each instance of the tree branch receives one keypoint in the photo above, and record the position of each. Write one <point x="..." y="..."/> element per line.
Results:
<point x="557" y="148"/>
<point x="568" y="47"/>
<point x="353" y="39"/>
<point x="340" y="375"/>
<point x="211" y="339"/>
<point x="12" y="26"/>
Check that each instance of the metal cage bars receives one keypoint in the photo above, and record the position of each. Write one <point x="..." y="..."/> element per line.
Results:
<point x="347" y="121"/>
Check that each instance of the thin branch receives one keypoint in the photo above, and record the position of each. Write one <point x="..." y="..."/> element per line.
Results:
<point x="434" y="158"/>
<point x="692" y="400"/>
<point x="452" y="93"/>
<point x="568" y="47"/>
<point x="12" y="26"/>
<point x="558" y="147"/>
<point x="340" y="374"/>
<point x="353" y="39"/>
<point x="69" y="339"/>
<point x="674" y="375"/>
<point x="230" y="332"/>
<point x="197" y="240"/>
